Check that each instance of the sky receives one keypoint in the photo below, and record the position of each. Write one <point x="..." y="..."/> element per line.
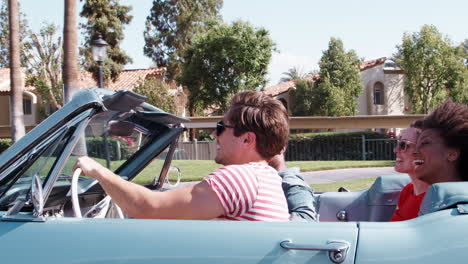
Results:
<point x="301" y="29"/>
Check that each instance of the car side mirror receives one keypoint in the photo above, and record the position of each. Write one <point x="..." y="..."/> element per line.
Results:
<point x="173" y="176"/>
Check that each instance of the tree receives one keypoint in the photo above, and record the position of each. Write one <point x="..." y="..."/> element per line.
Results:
<point x="70" y="52"/>
<point x="432" y="68"/>
<point x="5" y="33"/>
<point x="44" y="60"/>
<point x="108" y="18"/>
<point x="294" y="73"/>
<point x="157" y="92"/>
<point x="459" y="92"/>
<point x="16" y="85"/>
<point x="337" y="89"/>
<point x="223" y="61"/>
<point x="171" y="26"/>
<point x="303" y="97"/>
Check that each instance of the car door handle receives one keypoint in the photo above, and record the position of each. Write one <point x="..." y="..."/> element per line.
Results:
<point x="337" y="250"/>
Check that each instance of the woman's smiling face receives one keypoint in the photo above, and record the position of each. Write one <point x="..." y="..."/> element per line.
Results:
<point x="404" y="150"/>
<point x="432" y="156"/>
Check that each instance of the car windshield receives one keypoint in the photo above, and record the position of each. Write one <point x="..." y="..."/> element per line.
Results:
<point x="112" y="138"/>
<point x="44" y="159"/>
<point x="109" y="140"/>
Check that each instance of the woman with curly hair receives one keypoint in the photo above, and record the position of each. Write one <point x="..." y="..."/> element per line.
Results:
<point x="440" y="155"/>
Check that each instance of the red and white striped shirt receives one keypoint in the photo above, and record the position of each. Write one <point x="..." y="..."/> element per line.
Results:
<point x="249" y="192"/>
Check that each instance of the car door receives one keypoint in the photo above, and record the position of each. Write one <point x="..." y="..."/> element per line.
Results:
<point x="439" y="237"/>
<point x="66" y="240"/>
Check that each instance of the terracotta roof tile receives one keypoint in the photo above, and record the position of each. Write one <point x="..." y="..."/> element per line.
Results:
<point x="287" y="86"/>
<point x="128" y="79"/>
<point x="369" y="64"/>
<point x="279" y="88"/>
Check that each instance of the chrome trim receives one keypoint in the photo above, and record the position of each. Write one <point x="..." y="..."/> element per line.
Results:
<point x="167" y="163"/>
<point x="16" y="207"/>
<point x="60" y="163"/>
<point x="342" y="215"/>
<point x="22" y="218"/>
<point x="37" y="196"/>
<point x="337" y="250"/>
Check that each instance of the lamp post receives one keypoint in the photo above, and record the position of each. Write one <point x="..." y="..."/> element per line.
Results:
<point x="99" y="49"/>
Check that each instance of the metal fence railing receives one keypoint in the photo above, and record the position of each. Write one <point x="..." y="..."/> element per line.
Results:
<point x="378" y="149"/>
<point x="349" y="148"/>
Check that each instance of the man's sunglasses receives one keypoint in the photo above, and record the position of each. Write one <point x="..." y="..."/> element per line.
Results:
<point x="220" y="127"/>
<point x="403" y="145"/>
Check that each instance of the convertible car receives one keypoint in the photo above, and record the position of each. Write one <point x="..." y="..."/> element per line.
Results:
<point x="50" y="214"/>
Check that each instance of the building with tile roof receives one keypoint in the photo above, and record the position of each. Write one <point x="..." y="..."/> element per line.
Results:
<point x="383" y="92"/>
<point x="127" y="80"/>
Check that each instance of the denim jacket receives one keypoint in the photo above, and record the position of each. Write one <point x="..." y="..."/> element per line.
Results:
<point x="300" y="197"/>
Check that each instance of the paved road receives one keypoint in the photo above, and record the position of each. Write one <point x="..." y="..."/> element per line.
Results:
<point x="329" y="176"/>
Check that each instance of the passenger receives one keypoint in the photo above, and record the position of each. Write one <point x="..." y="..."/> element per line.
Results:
<point x="441" y="152"/>
<point x="413" y="193"/>
<point x="254" y="129"/>
<point x="301" y="200"/>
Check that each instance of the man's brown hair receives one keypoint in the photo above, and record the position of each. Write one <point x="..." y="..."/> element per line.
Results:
<point x="450" y="120"/>
<point x="252" y="111"/>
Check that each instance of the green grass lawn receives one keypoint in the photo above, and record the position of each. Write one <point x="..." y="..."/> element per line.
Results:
<point x="196" y="170"/>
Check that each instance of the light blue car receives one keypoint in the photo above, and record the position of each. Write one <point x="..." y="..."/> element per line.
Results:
<point x="50" y="215"/>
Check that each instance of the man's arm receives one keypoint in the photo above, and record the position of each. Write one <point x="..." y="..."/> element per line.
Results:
<point x="198" y="202"/>
<point x="301" y="200"/>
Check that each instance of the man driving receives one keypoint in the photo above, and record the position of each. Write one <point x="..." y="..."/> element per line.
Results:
<point x="254" y="129"/>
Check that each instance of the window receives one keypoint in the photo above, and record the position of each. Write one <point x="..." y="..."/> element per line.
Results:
<point x="27" y="106"/>
<point x="378" y="93"/>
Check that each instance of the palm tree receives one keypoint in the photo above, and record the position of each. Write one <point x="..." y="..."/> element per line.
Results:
<point x="70" y="64"/>
<point x="16" y="85"/>
<point x="293" y="74"/>
<point x="70" y="52"/>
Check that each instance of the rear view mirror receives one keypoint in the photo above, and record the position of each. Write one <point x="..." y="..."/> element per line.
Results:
<point x="120" y="128"/>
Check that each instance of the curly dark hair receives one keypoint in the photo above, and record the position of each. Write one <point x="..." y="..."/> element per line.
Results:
<point x="450" y="120"/>
<point x="261" y="114"/>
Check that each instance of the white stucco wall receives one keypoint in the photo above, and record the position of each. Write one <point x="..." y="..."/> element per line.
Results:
<point x="369" y="77"/>
<point x="393" y="95"/>
<point x="31" y="119"/>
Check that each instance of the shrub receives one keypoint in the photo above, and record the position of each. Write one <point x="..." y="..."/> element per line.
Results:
<point x="4" y="144"/>
<point x="119" y="148"/>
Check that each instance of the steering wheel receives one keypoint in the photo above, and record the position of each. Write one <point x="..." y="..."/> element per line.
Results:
<point x="74" y="193"/>
<point x="104" y="203"/>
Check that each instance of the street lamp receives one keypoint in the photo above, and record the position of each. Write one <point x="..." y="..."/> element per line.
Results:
<point x="99" y="49"/>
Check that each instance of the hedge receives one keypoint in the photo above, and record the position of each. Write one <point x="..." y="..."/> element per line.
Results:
<point x="118" y="149"/>
<point x="338" y="146"/>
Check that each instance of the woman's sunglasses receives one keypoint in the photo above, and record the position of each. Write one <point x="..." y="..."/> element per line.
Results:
<point x="220" y="127"/>
<point x="403" y="145"/>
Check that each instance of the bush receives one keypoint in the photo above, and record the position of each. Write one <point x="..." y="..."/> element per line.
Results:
<point x="119" y="148"/>
<point x="4" y="144"/>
